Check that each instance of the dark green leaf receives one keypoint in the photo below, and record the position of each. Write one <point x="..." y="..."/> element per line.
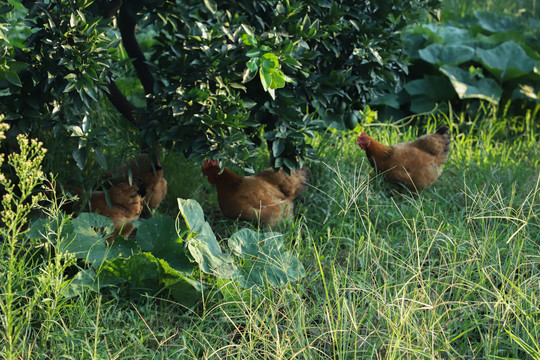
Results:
<point x="493" y="22"/>
<point x="506" y="61"/>
<point x="277" y="147"/>
<point x="13" y="78"/>
<point x="446" y="54"/>
<point x="83" y="281"/>
<point x="101" y="159"/>
<point x="79" y="155"/>
<point x="468" y="87"/>
<point x="159" y="236"/>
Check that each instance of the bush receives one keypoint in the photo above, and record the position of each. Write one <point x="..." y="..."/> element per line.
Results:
<point x="218" y="80"/>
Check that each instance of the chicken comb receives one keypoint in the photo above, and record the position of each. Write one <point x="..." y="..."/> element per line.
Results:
<point x="361" y="136"/>
<point x="208" y="164"/>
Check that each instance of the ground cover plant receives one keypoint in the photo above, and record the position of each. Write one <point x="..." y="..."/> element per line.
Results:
<point x="483" y="56"/>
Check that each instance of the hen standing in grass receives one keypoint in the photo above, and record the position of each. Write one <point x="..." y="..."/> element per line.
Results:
<point x="266" y="197"/>
<point x="415" y="165"/>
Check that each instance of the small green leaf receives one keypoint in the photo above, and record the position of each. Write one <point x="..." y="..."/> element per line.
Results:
<point x="253" y="53"/>
<point x="253" y="65"/>
<point x="13" y="78"/>
<point x="211" y="5"/>
<point x="266" y="79"/>
<point x="270" y="61"/>
<point x="248" y="75"/>
<point x="79" y="155"/>
<point x="277" y="147"/>
<point x="249" y="40"/>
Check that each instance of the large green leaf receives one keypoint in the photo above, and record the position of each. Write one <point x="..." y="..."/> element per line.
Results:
<point x="159" y="236"/>
<point x="185" y="290"/>
<point x="265" y="259"/>
<point x="496" y="23"/>
<point x="90" y="242"/>
<point x="84" y="237"/>
<point x="429" y="93"/>
<point x="437" y="88"/>
<point x="144" y="273"/>
<point x="452" y="35"/>
<point x="141" y="272"/>
<point x="467" y="86"/>
<point x="202" y="243"/>
<point x="528" y="92"/>
<point x="506" y="61"/>
<point x="418" y="37"/>
<point x="446" y="54"/>
<point x="84" y="280"/>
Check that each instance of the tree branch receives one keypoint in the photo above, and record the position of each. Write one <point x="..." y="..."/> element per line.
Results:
<point x="127" y="23"/>
<point x="121" y="103"/>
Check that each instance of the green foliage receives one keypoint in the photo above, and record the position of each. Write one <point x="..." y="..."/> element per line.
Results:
<point x="163" y="254"/>
<point x="458" y="9"/>
<point x="452" y="272"/>
<point x="22" y="287"/>
<point x="51" y="80"/>
<point x="486" y="57"/>
<point x="226" y="80"/>
<point x="265" y="259"/>
<point x="317" y="64"/>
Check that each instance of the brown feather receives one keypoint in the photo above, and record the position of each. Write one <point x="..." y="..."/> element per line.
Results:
<point x="414" y="165"/>
<point x="266" y="197"/>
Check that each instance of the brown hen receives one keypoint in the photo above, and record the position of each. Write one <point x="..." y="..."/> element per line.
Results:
<point x="415" y="165"/>
<point x="266" y="197"/>
<point x="148" y="173"/>
<point x="123" y="206"/>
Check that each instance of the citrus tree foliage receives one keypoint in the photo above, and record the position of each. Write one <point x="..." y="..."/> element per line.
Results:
<point x="220" y="78"/>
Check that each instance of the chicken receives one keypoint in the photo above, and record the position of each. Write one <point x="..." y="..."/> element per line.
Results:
<point x="124" y="205"/>
<point x="415" y="164"/>
<point x="127" y="191"/>
<point x="147" y="172"/>
<point x="266" y="197"/>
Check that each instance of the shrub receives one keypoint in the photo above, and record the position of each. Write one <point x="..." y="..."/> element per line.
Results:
<point x="218" y="79"/>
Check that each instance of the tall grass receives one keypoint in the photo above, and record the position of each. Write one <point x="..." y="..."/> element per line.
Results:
<point x="457" y="9"/>
<point x="452" y="272"/>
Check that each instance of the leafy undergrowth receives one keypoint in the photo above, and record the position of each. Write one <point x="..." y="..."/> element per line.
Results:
<point x="484" y="56"/>
<point x="162" y="256"/>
